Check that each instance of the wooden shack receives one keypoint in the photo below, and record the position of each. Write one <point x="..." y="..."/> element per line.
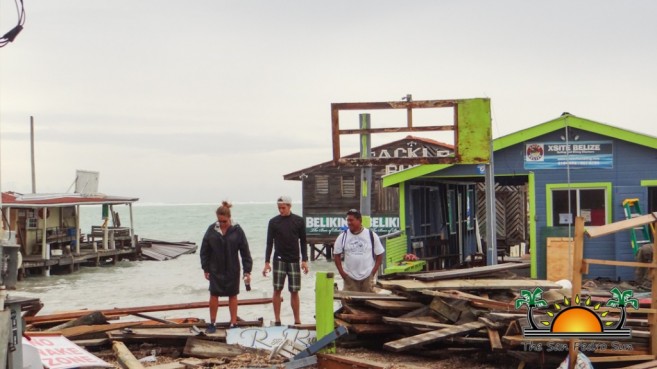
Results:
<point x="47" y="229"/>
<point x="328" y="191"/>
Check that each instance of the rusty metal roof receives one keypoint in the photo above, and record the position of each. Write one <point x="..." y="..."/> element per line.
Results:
<point x="296" y="174"/>
<point x="19" y="200"/>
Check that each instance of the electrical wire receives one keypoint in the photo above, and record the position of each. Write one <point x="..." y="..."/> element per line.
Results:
<point x="11" y="35"/>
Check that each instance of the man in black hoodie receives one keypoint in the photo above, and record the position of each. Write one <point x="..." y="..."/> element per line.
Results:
<point x="286" y="236"/>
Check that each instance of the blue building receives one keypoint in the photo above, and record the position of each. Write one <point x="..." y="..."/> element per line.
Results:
<point x="545" y="176"/>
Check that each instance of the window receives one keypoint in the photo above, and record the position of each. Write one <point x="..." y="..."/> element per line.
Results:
<point x="566" y="204"/>
<point x="348" y="186"/>
<point x="31" y="223"/>
<point x="322" y="184"/>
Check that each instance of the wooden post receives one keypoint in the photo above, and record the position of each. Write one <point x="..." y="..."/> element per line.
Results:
<point x="365" y="172"/>
<point x="324" y="307"/>
<point x="78" y="236"/>
<point x="578" y="257"/>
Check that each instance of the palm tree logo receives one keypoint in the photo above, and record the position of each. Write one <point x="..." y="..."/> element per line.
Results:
<point x="576" y="318"/>
<point x="622" y="299"/>
<point x="532" y="300"/>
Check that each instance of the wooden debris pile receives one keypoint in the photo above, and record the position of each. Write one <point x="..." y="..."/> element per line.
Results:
<point x="442" y="313"/>
<point x="145" y="340"/>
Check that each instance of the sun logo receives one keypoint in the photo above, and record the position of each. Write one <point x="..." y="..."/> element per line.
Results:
<point x="576" y="318"/>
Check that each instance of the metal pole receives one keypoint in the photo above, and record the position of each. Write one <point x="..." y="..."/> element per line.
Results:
<point x="32" y="153"/>
<point x="365" y="172"/>
<point x="491" y="223"/>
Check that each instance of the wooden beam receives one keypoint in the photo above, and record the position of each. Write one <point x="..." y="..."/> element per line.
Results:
<point x="143" y="309"/>
<point x="416" y="323"/>
<point x="613" y="359"/>
<point x="394" y="305"/>
<point x="365" y="296"/>
<point x="425" y="338"/>
<point x="468" y="284"/>
<point x="619" y="263"/>
<point x="208" y="349"/>
<point x="604" y="230"/>
<point x="646" y="365"/>
<point x="468" y="272"/>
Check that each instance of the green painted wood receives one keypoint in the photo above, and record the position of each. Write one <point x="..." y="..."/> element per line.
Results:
<point x="474" y="131"/>
<point x="324" y="308"/>
<point x="395" y="249"/>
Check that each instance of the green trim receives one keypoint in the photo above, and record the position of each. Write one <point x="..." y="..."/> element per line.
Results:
<point x="414" y="172"/>
<point x="576" y="186"/>
<point x="569" y="120"/>
<point x="529" y="134"/>
<point x="531" y="192"/>
<point x="649" y="183"/>
<point x="402" y="207"/>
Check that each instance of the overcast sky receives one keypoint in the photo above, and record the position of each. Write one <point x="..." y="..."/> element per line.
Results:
<point x="199" y="101"/>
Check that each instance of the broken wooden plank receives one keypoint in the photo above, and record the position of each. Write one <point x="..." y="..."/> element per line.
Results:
<point x="647" y="365"/>
<point x="361" y="310"/>
<point x="83" y="330"/>
<point x="142" y="309"/>
<point x="424" y="310"/>
<point x="208" y="349"/>
<point x="92" y="318"/>
<point x="365" y="296"/>
<point x="143" y="334"/>
<point x="445" y="310"/>
<point x="125" y="357"/>
<point x="614" y="359"/>
<point x="604" y="230"/>
<point x="372" y="329"/>
<point x="394" y="305"/>
<point x="417" y="323"/>
<point x="468" y="272"/>
<point x="468" y="284"/>
<point x="494" y="337"/>
<point x="153" y="318"/>
<point x="361" y="318"/>
<point x="334" y="361"/>
<point x="425" y="338"/>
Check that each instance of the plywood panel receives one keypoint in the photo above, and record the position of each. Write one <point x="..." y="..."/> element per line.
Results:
<point x="559" y="253"/>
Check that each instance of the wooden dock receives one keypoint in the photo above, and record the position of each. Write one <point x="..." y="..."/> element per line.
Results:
<point x="36" y="264"/>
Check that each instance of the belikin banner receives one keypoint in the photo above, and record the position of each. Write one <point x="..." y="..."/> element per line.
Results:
<point x="332" y="225"/>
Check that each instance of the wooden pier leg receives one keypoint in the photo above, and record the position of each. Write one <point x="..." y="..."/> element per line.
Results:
<point x="329" y="251"/>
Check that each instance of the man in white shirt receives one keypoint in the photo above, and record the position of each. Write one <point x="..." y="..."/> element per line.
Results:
<point x="358" y="254"/>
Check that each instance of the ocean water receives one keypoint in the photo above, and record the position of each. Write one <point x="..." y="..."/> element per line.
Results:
<point x="180" y="280"/>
